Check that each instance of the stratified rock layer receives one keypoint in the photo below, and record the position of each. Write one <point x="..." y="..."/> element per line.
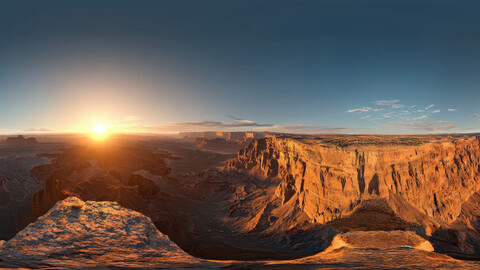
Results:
<point x="357" y="183"/>
<point x="328" y="181"/>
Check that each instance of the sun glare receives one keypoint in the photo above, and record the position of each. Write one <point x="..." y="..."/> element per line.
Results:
<point x="99" y="129"/>
<point x="99" y="132"/>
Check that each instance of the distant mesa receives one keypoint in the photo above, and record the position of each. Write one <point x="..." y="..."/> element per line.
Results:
<point x="226" y="142"/>
<point x="20" y="140"/>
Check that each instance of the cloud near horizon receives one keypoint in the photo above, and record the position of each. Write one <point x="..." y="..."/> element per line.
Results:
<point x="425" y="125"/>
<point x="210" y="125"/>
<point x="38" y="130"/>
<point x="207" y="124"/>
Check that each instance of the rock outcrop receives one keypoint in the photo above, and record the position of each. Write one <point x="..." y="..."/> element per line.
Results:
<point x="81" y="234"/>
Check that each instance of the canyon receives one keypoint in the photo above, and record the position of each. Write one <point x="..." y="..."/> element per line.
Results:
<point x="306" y="199"/>
<point x="425" y="183"/>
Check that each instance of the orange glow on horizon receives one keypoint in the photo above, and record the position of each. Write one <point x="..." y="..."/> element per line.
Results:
<point x="99" y="132"/>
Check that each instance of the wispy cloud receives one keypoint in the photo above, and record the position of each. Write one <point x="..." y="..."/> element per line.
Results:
<point x="242" y="124"/>
<point x="386" y="102"/>
<point x="420" y="117"/>
<point x="210" y="123"/>
<point x="429" y="106"/>
<point x="38" y="130"/>
<point x="426" y="125"/>
<point x="362" y="109"/>
<point x="299" y="128"/>
<point x="436" y="111"/>
<point x="206" y="125"/>
<point x="452" y="110"/>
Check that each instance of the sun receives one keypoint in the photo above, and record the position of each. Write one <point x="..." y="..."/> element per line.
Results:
<point x="99" y="132"/>
<point x="99" y="129"/>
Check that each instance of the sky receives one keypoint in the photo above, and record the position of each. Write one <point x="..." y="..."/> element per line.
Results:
<point x="386" y="67"/>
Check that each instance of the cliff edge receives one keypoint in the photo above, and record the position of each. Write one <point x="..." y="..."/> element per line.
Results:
<point x="83" y="234"/>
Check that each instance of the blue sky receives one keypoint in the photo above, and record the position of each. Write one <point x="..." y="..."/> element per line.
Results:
<point x="289" y="66"/>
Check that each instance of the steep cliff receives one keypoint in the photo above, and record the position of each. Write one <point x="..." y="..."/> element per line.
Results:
<point x="424" y="180"/>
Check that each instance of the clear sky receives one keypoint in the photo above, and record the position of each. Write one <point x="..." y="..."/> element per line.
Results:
<point x="382" y="66"/>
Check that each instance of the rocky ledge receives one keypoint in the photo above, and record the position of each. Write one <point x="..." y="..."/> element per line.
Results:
<point x="92" y="234"/>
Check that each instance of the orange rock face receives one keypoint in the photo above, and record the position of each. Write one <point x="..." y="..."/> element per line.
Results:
<point x="329" y="178"/>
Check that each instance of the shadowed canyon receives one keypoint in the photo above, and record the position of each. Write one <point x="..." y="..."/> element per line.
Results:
<point x="241" y="200"/>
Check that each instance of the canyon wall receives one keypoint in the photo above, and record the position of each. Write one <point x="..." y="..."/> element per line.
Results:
<point x="435" y="175"/>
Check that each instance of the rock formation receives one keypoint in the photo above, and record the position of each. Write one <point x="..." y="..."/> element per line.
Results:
<point x="82" y="234"/>
<point x="286" y="197"/>
<point x="86" y="234"/>
<point x="226" y="142"/>
<point x="20" y="140"/>
<point x="419" y="182"/>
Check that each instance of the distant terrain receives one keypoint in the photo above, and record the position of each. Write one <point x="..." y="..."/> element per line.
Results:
<point x="256" y="198"/>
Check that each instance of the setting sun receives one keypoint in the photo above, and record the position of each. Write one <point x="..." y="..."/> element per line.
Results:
<point x="99" y="129"/>
<point x="99" y="132"/>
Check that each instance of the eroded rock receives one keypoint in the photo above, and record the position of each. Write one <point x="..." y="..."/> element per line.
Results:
<point x="82" y="234"/>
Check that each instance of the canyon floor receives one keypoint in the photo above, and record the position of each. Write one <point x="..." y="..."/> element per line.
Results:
<point x="241" y="201"/>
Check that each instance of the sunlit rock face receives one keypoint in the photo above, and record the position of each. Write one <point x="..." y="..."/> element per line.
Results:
<point x="329" y="178"/>
<point x="91" y="233"/>
<point x="427" y="184"/>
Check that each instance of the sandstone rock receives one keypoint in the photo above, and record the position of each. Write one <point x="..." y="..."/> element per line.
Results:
<point x="383" y="240"/>
<point x="426" y="184"/>
<point x="92" y="234"/>
<point x="434" y="175"/>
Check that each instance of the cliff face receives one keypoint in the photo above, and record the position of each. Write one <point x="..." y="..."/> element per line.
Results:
<point x="434" y="175"/>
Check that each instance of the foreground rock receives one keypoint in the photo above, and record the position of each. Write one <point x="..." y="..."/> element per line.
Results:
<point x="100" y="235"/>
<point x="91" y="234"/>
